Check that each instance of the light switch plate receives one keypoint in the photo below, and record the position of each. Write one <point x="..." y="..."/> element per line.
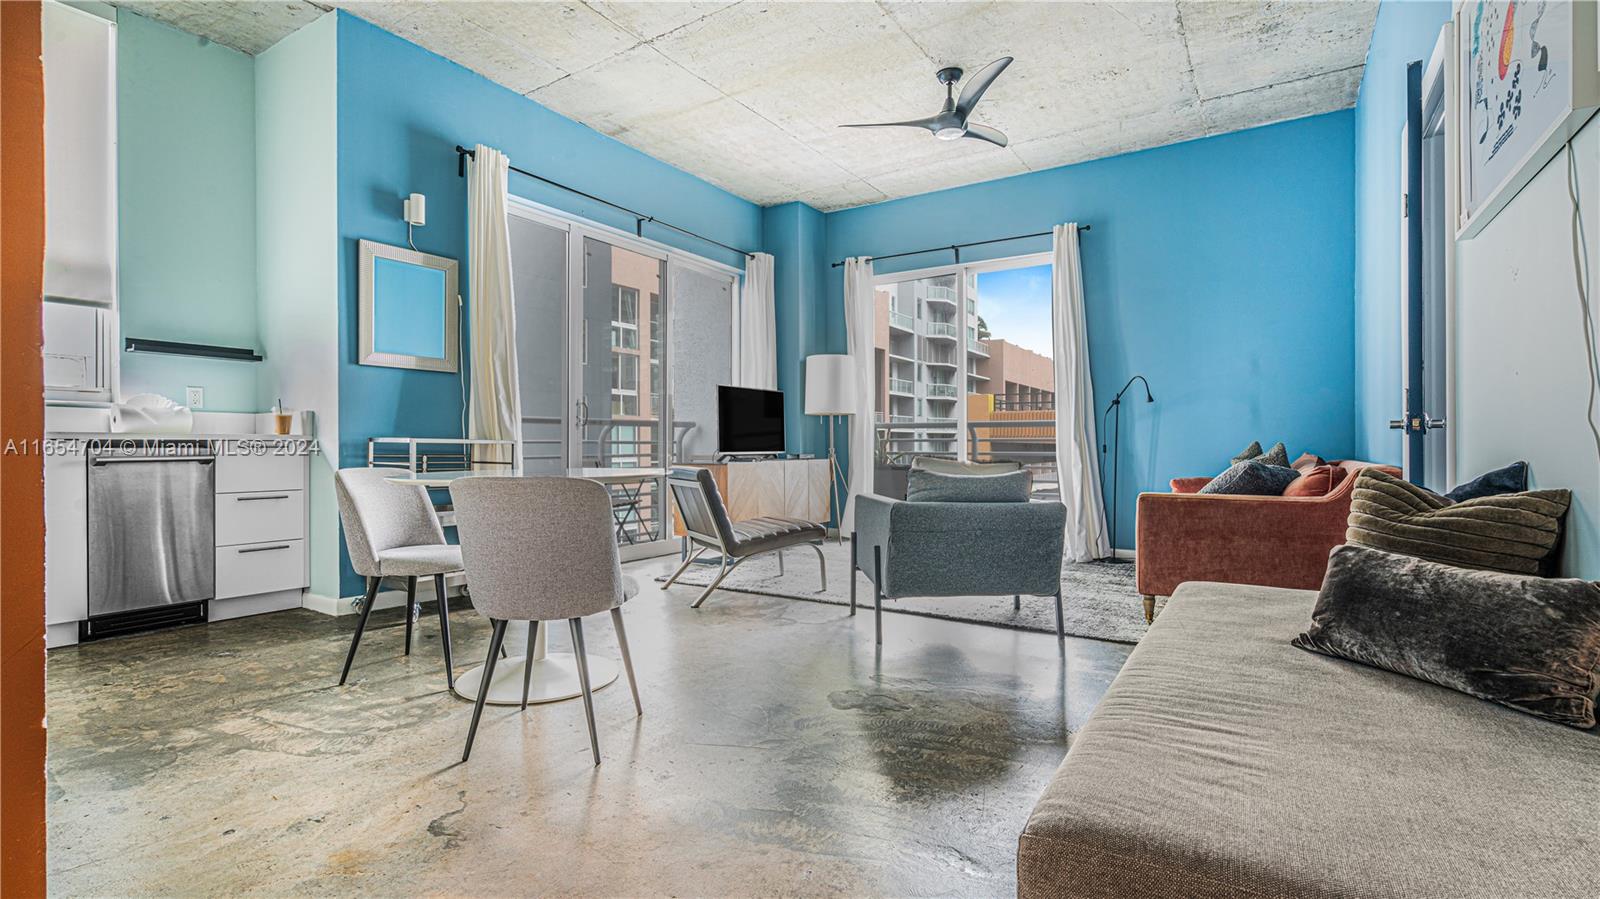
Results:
<point x="194" y="397"/>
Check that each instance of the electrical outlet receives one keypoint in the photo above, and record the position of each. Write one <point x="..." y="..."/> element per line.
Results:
<point x="194" y="397"/>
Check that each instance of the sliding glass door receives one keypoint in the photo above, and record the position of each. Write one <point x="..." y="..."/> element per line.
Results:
<point x="620" y="347"/>
<point x="963" y="365"/>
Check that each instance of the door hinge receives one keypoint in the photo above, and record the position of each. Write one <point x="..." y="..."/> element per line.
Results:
<point x="1405" y="206"/>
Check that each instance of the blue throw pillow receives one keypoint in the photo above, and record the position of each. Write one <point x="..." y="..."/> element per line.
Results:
<point x="1252" y="478"/>
<point x="933" y="487"/>
<point x="1511" y="479"/>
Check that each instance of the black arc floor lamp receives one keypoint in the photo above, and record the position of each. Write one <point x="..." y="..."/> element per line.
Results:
<point x="1116" y="454"/>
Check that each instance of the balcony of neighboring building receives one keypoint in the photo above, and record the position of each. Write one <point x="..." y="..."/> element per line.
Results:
<point x="902" y="321"/>
<point x="978" y="347"/>
<point x="941" y="330"/>
<point x="941" y="294"/>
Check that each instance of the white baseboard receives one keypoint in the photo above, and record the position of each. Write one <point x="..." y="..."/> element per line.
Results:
<point x="1124" y="554"/>
<point x="261" y="603"/>
<point x="64" y="634"/>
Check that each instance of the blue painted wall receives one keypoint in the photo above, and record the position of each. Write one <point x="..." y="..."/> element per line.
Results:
<point x="1221" y="269"/>
<point x="795" y="234"/>
<point x="186" y="209"/>
<point x="402" y="110"/>
<point x="1404" y="33"/>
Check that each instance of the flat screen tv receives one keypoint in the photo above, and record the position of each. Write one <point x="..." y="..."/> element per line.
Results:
<point x="749" y="420"/>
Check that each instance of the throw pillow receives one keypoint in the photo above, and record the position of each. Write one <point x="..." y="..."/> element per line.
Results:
<point x="933" y="487"/>
<point x="1526" y="642"/>
<point x="1252" y="478"/>
<point x="1308" y="461"/>
<point x="1514" y="532"/>
<point x="1278" y="455"/>
<point x="1250" y="452"/>
<point x="1318" y="481"/>
<point x="1511" y="479"/>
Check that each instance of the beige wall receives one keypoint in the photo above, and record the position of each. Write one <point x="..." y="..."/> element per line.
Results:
<point x="1009" y="364"/>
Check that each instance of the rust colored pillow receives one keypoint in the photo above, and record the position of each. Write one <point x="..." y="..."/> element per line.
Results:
<point x="1308" y="461"/>
<point x="1319" y="481"/>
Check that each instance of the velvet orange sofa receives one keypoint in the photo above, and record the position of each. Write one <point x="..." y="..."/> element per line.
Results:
<point x="1271" y="541"/>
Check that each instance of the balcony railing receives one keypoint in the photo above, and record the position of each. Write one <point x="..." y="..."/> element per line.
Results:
<point x="901" y="385"/>
<point x="978" y="347"/>
<point x="901" y="320"/>
<point x="940" y="329"/>
<point x="942" y="294"/>
<point x="1031" y="442"/>
<point x="941" y="390"/>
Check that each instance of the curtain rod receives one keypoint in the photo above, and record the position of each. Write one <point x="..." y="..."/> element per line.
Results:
<point x="639" y="218"/>
<point x="957" y="247"/>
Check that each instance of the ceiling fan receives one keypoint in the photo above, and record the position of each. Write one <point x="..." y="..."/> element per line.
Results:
<point x="954" y="120"/>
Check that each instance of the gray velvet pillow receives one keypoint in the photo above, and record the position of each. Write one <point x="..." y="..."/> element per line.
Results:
<point x="1252" y="478"/>
<point x="933" y="487"/>
<point x="1278" y="455"/>
<point x="1529" y="643"/>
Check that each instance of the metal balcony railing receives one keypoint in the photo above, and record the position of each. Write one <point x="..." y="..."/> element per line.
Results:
<point x="978" y="347"/>
<point x="901" y="385"/>
<point x="941" y="390"/>
<point x="940" y="329"/>
<point x="1031" y="442"/>
<point x="901" y="320"/>
<point x="943" y="294"/>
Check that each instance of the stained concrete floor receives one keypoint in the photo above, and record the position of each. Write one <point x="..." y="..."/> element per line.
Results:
<point x="778" y="753"/>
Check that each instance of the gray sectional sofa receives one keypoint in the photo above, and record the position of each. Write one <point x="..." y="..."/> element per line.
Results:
<point x="1225" y="762"/>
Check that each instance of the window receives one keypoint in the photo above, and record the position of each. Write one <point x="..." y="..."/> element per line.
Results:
<point x="624" y="317"/>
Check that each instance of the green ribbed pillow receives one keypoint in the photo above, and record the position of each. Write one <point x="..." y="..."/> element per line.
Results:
<point x="1513" y="532"/>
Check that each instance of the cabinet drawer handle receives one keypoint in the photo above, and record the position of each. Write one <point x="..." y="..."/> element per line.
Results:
<point x="251" y="499"/>
<point x="262" y="549"/>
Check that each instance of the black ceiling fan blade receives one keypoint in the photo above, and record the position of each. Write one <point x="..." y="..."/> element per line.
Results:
<point x="928" y="124"/>
<point x="972" y="91"/>
<point x="984" y="132"/>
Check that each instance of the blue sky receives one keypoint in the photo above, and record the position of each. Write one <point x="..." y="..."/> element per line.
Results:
<point x="1015" y="303"/>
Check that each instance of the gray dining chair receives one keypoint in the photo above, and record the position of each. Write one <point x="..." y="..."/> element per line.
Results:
<point x="392" y="531"/>
<point x="542" y="549"/>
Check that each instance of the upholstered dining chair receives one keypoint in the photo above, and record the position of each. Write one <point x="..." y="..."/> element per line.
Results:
<point x="392" y="531"/>
<point x="539" y="550"/>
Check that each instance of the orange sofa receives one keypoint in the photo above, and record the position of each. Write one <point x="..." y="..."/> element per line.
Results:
<point x="1273" y="541"/>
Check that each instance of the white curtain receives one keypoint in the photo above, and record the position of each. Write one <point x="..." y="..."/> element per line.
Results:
<point x="1076" y="463"/>
<point x="757" y="351"/>
<point x="494" y="410"/>
<point x="859" y="318"/>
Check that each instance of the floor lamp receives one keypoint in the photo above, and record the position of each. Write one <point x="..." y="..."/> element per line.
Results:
<point x="1116" y="404"/>
<point x="830" y="393"/>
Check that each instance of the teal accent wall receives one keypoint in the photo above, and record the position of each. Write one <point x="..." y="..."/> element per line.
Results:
<point x="402" y="110"/>
<point x="796" y="236"/>
<point x="1221" y="269"/>
<point x="186" y="200"/>
<point x="1404" y="33"/>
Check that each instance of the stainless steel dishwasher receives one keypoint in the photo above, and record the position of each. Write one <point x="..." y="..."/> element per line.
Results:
<point x="152" y="550"/>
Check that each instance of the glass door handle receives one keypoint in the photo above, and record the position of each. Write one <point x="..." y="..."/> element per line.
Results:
<point x="1421" y="424"/>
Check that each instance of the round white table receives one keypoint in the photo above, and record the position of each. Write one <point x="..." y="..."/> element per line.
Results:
<point x="555" y="674"/>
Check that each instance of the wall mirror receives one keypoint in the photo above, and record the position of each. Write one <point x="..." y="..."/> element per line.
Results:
<point x="410" y="317"/>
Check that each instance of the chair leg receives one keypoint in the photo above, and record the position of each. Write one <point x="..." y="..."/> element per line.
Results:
<point x="527" y="661"/>
<point x="726" y="570"/>
<point x="627" y="660"/>
<point x="688" y="559"/>
<point x="583" y="681"/>
<point x="822" y="566"/>
<point x="444" y="630"/>
<point x="852" y="572"/>
<point x="496" y="638"/>
<point x="1016" y="602"/>
<point x="411" y="609"/>
<point x="877" y="593"/>
<point x="1149" y="609"/>
<point x="361" y="627"/>
<point x="1061" y="630"/>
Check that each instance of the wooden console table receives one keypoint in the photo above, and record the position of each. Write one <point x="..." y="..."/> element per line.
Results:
<point x="792" y="488"/>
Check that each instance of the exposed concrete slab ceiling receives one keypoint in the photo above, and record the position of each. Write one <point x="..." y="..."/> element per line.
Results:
<point x="749" y="96"/>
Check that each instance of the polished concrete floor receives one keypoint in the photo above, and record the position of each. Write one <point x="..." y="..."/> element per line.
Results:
<point x="779" y="753"/>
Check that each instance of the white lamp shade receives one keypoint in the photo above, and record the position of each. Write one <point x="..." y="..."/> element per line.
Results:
<point x="829" y="385"/>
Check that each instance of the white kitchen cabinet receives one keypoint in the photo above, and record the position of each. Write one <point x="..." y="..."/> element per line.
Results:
<point x="259" y="516"/>
<point x="269" y="567"/>
<point x="240" y="472"/>
<point x="66" y="547"/>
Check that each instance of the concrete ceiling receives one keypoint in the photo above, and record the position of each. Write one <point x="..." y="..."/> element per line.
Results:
<point x="749" y="95"/>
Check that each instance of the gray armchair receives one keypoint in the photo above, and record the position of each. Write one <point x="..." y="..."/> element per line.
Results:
<point x="909" y="548"/>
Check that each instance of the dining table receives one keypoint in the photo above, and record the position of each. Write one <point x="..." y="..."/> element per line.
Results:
<point x="554" y="677"/>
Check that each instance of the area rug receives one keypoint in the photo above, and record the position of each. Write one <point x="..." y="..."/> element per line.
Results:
<point x="1098" y="598"/>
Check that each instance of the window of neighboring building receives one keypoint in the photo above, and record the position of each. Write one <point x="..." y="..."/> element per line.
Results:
<point x="624" y="317"/>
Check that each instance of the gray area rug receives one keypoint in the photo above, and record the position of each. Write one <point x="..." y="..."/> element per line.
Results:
<point x="1098" y="598"/>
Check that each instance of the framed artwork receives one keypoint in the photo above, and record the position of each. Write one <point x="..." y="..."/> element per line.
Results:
<point x="410" y="309"/>
<point x="1530" y="78"/>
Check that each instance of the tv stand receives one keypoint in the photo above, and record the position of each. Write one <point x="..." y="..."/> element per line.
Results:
<point x="792" y="488"/>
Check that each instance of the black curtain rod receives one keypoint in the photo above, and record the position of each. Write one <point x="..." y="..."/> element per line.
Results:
<point x="957" y="247"/>
<point x="639" y="218"/>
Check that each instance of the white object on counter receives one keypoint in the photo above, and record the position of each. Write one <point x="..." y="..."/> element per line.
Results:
<point x="150" y="413"/>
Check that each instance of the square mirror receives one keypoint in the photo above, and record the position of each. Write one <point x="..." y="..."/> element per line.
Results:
<point x="409" y="312"/>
